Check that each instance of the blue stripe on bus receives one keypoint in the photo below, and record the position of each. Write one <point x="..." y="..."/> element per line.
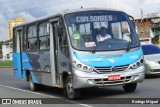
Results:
<point x="17" y="65"/>
<point x="25" y="64"/>
<point x="97" y="60"/>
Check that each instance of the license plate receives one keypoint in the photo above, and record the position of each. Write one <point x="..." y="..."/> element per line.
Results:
<point x="114" y="77"/>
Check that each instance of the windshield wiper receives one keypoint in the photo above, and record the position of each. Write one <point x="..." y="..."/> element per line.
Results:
<point x="127" y="49"/>
<point x="128" y="44"/>
<point x="95" y="48"/>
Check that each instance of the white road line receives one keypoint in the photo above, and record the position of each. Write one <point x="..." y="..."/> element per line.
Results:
<point x="27" y="91"/>
<point x="85" y="105"/>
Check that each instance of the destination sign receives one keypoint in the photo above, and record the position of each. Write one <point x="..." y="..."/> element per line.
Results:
<point x="94" y="18"/>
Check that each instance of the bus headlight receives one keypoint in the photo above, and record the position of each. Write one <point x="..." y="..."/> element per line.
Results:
<point x="82" y="67"/>
<point x="85" y="67"/>
<point x="79" y="65"/>
<point x="90" y="69"/>
<point x="137" y="64"/>
<point x="74" y="62"/>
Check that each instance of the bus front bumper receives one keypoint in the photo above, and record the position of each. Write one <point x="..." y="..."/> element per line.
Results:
<point x="85" y="80"/>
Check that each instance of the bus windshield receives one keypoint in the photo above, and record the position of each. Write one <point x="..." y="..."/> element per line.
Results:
<point x="101" y="30"/>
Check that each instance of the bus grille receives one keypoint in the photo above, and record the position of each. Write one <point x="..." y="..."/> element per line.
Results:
<point x="111" y="69"/>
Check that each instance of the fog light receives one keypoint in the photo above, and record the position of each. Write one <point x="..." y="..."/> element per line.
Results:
<point x="91" y="81"/>
<point x="135" y="77"/>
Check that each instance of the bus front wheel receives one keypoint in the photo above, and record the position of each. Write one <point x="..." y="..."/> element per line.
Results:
<point x="130" y="87"/>
<point x="33" y="86"/>
<point x="70" y="91"/>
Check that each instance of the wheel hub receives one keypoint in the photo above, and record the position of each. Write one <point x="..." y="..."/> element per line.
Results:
<point x="69" y="87"/>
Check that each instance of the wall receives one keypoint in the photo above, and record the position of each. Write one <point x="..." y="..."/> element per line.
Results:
<point x="7" y="51"/>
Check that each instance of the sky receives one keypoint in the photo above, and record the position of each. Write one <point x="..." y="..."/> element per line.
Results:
<point x="33" y="9"/>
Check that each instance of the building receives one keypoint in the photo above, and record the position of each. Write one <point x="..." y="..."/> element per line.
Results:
<point x="7" y="51"/>
<point x="148" y="26"/>
<point x="12" y="23"/>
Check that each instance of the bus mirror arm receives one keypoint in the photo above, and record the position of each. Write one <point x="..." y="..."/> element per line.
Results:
<point x="132" y="20"/>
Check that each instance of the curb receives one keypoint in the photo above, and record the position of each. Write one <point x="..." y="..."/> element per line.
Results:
<point x="6" y="67"/>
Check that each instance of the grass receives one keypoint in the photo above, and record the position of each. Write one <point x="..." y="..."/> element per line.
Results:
<point x="5" y="63"/>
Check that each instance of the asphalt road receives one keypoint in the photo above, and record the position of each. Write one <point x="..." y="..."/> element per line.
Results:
<point x="11" y="87"/>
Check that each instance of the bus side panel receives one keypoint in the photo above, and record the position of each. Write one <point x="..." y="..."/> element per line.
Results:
<point x="17" y="65"/>
<point x="27" y="66"/>
<point x="45" y="67"/>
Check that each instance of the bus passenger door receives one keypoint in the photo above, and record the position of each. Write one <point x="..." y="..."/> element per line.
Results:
<point x="54" y="51"/>
<point x="17" y="59"/>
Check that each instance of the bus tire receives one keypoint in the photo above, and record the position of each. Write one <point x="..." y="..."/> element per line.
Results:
<point x="70" y="91"/>
<point x="33" y="86"/>
<point x="130" y="87"/>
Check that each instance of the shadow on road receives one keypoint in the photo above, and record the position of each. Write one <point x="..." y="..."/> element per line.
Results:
<point x="155" y="76"/>
<point x="89" y="93"/>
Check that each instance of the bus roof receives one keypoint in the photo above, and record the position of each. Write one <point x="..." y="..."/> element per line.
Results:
<point x="66" y="12"/>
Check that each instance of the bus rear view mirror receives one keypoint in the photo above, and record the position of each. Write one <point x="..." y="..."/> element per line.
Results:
<point x="132" y="21"/>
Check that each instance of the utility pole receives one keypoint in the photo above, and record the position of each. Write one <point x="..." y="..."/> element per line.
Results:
<point x="141" y="14"/>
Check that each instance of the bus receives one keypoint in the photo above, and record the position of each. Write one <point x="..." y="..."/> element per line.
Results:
<point x="77" y="49"/>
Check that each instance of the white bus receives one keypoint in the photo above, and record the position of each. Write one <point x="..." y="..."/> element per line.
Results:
<point x="79" y="49"/>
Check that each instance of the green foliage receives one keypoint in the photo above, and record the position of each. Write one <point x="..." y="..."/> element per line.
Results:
<point x="6" y="63"/>
<point x="7" y="41"/>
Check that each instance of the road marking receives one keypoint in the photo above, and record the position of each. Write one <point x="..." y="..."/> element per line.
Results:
<point x="26" y="91"/>
<point x="85" y="105"/>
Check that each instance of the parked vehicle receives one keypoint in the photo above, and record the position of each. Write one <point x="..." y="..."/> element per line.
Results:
<point x="152" y="59"/>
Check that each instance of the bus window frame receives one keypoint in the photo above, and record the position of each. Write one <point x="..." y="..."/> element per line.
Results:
<point x="40" y="22"/>
<point x="61" y="21"/>
<point x="27" y="26"/>
<point x="14" y="40"/>
<point x="24" y="38"/>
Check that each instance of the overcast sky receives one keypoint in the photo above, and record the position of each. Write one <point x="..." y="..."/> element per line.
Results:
<point x="32" y="9"/>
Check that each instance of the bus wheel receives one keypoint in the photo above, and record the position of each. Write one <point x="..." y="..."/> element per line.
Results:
<point x="71" y="93"/>
<point x="33" y="86"/>
<point x="130" y="87"/>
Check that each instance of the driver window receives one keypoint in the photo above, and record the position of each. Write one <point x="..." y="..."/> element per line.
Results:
<point x="121" y="30"/>
<point x="116" y="30"/>
<point x="64" y="44"/>
<point x="125" y="31"/>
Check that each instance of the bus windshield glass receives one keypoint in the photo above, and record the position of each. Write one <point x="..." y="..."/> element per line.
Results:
<point x="101" y="30"/>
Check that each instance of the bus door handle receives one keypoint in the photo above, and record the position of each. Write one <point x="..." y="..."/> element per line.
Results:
<point x="40" y="52"/>
<point x="56" y="52"/>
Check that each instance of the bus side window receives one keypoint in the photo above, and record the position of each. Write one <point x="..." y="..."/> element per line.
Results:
<point x="44" y="37"/>
<point x="64" y="44"/>
<point x="32" y="38"/>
